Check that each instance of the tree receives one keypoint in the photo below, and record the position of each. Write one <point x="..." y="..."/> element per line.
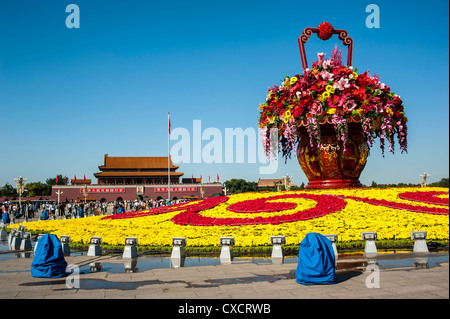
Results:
<point x="444" y="182"/>
<point x="8" y="191"/>
<point x="240" y="186"/>
<point x="38" y="189"/>
<point x="52" y="181"/>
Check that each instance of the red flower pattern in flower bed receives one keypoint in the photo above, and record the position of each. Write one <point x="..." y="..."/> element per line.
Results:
<point x="189" y="214"/>
<point x="408" y="207"/>
<point x="425" y="197"/>
<point x="325" y="205"/>
<point x="153" y="211"/>
<point x="261" y="205"/>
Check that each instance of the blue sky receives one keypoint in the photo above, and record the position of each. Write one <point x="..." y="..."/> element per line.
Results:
<point x="68" y="96"/>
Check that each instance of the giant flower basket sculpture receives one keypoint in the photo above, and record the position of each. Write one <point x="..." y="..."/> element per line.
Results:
<point x="330" y="116"/>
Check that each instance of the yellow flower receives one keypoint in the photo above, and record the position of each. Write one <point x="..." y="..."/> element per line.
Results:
<point x="355" y="75"/>
<point x="287" y="114"/>
<point x="325" y="95"/>
<point x="329" y="88"/>
<point x="331" y="110"/>
<point x="293" y="80"/>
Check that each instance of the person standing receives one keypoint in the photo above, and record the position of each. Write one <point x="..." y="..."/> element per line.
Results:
<point x="80" y="212"/>
<point x="44" y="214"/>
<point x="5" y="216"/>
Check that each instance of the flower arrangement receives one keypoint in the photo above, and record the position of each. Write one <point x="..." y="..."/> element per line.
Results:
<point x="333" y="93"/>
<point x="253" y="217"/>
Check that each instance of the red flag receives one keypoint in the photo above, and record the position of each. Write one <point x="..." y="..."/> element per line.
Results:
<point x="192" y="178"/>
<point x="201" y="179"/>
<point x="84" y="178"/>
<point x="75" y="178"/>
<point x="209" y="178"/>
<point x="169" y="122"/>
<point x="57" y="179"/>
<point x="65" y="180"/>
<point x="217" y="177"/>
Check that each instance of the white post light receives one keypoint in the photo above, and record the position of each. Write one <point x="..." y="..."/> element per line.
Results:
<point x="65" y="240"/>
<point x="226" y="255"/>
<point x="37" y="240"/>
<point x="11" y="237"/>
<point x="277" y="250"/>
<point x="94" y="247"/>
<point x="178" y="255"/>
<point x="16" y="240"/>
<point x="420" y="244"/>
<point x="21" y="230"/>
<point x="25" y="244"/>
<point x="3" y="233"/>
<point x="20" y="189"/>
<point x="130" y="250"/>
<point x="333" y="239"/>
<point x="59" y="192"/>
<point x="370" y="248"/>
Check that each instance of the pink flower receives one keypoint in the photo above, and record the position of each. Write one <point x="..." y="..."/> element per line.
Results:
<point x="316" y="108"/>
<point x="327" y="76"/>
<point x="343" y="84"/>
<point x="350" y="105"/>
<point x="320" y="56"/>
<point x="326" y="63"/>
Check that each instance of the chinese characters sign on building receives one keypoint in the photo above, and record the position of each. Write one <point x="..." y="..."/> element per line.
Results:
<point x="104" y="190"/>
<point x="176" y="189"/>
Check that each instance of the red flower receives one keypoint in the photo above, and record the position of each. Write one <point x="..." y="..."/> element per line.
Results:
<point x="325" y="31"/>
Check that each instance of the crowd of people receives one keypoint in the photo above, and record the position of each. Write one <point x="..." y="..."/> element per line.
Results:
<point x="11" y="212"/>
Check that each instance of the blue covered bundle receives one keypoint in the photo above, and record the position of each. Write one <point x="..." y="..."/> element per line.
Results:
<point x="316" y="261"/>
<point x="48" y="259"/>
<point x="44" y="215"/>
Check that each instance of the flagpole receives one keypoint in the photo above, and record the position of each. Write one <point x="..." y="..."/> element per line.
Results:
<point x="168" y="154"/>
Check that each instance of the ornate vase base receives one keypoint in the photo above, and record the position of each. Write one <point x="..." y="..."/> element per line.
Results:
<point x="334" y="183"/>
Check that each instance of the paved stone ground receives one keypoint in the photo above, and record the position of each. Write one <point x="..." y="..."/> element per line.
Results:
<point x="240" y="280"/>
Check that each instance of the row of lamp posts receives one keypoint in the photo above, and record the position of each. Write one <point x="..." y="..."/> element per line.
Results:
<point x="178" y="254"/>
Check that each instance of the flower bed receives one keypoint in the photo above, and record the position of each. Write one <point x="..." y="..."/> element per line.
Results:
<point x="253" y="217"/>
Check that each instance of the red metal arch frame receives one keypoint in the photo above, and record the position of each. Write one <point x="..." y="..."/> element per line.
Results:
<point x="308" y="32"/>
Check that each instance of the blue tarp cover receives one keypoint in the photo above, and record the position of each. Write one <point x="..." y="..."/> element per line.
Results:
<point x="316" y="261"/>
<point x="48" y="259"/>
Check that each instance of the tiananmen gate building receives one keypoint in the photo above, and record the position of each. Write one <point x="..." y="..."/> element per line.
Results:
<point x="131" y="178"/>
